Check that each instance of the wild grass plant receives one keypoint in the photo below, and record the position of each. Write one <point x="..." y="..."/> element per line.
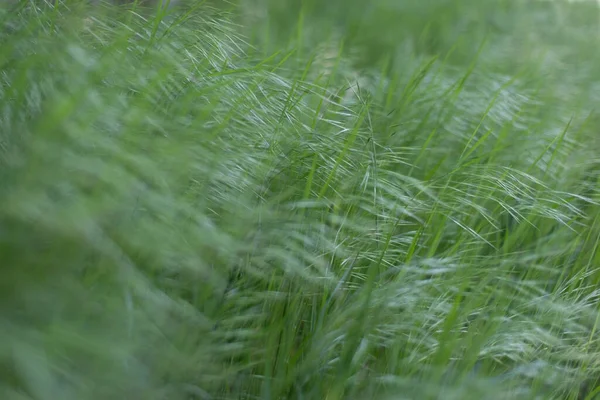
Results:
<point x="241" y="202"/>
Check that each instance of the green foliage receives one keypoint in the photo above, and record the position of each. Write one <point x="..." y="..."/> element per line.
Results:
<point x="299" y="200"/>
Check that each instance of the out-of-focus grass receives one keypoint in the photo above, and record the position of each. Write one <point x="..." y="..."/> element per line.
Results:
<point x="299" y="200"/>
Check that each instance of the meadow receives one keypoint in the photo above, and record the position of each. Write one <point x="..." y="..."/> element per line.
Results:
<point x="300" y="199"/>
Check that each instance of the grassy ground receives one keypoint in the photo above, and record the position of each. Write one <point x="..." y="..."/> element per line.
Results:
<point x="304" y="200"/>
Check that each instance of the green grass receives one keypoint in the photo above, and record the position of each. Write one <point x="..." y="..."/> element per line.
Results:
<point x="299" y="200"/>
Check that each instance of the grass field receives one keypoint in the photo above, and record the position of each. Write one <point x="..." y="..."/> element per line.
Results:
<point x="300" y="200"/>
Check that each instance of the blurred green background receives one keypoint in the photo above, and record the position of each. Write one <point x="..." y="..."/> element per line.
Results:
<point x="299" y="199"/>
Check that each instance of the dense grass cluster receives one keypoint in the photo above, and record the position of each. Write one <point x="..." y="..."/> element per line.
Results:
<point x="295" y="200"/>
